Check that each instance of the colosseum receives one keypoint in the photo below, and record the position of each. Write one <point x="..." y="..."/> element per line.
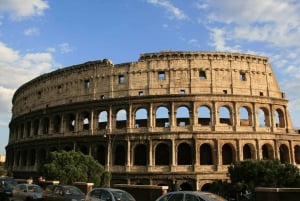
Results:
<point x="171" y="118"/>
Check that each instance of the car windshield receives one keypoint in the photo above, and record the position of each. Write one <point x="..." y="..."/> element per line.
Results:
<point x="122" y="196"/>
<point x="71" y="190"/>
<point x="35" y="189"/>
<point x="214" y="197"/>
<point x="9" y="183"/>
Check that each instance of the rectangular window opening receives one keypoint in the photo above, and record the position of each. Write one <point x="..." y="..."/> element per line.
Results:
<point x="87" y="84"/>
<point x="224" y="91"/>
<point x="182" y="91"/>
<point x="102" y="97"/>
<point x="242" y="76"/>
<point x="121" y="79"/>
<point x="261" y="93"/>
<point x="141" y="93"/>
<point x="161" y="75"/>
<point x="202" y="75"/>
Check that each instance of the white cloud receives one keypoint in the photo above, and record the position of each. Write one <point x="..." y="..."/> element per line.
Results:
<point x="16" y="69"/>
<point x="33" y="31"/>
<point x="65" y="48"/>
<point x="19" y="9"/>
<point x="174" y="12"/>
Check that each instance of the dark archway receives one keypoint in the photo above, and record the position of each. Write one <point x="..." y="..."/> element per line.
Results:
<point x="162" y="154"/>
<point x="140" y="155"/>
<point x="206" y="154"/>
<point x="184" y="154"/>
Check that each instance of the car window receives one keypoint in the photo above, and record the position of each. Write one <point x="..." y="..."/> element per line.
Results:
<point x="189" y="197"/>
<point x="95" y="193"/>
<point x="172" y="197"/>
<point x="122" y="195"/>
<point x="105" y="196"/>
<point x="71" y="190"/>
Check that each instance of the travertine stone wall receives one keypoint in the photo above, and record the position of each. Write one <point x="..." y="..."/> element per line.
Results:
<point x="158" y="120"/>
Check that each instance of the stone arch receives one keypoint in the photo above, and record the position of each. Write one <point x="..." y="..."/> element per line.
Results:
<point x="162" y="117"/>
<point x="228" y="154"/>
<point x="140" y="155"/>
<point x="186" y="186"/>
<point x="284" y="153"/>
<point x="141" y="118"/>
<point x="84" y="149"/>
<point x="206" y="154"/>
<point x="297" y="154"/>
<point x="36" y="125"/>
<point x="70" y="122"/>
<point x="162" y="154"/>
<point x="245" y="116"/>
<point x="24" y="158"/>
<point x="46" y="125"/>
<point x="121" y="119"/>
<point x="119" y="155"/>
<point x="32" y="157"/>
<point x="28" y="129"/>
<point x="225" y="115"/>
<point x="101" y="155"/>
<point x="102" y="120"/>
<point x="182" y="116"/>
<point x="42" y="155"/>
<point x="248" y="151"/>
<point x="68" y="148"/>
<point x="56" y="123"/>
<point x="206" y="187"/>
<point x="263" y="117"/>
<point x="204" y="115"/>
<point x="184" y="154"/>
<point x="86" y="119"/>
<point x="279" y="118"/>
<point x="267" y="151"/>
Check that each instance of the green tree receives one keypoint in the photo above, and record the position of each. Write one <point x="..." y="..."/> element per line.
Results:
<point x="3" y="171"/>
<point x="263" y="173"/>
<point x="69" y="167"/>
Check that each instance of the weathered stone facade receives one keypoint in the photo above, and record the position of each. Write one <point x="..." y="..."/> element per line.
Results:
<point x="170" y="118"/>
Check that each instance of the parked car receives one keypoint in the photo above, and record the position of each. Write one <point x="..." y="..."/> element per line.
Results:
<point x="108" y="194"/>
<point x="27" y="192"/>
<point x="62" y="193"/>
<point x="190" y="196"/>
<point x="6" y="186"/>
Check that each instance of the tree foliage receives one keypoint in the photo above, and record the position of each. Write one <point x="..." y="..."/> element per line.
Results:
<point x="263" y="173"/>
<point x="70" y="167"/>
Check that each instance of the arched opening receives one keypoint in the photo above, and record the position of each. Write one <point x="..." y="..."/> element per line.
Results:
<point x="36" y="127"/>
<point x="56" y="124"/>
<point x="140" y="155"/>
<point x="297" y="154"/>
<point x="28" y="129"/>
<point x="225" y="117"/>
<point x="206" y="187"/>
<point x="86" y="121"/>
<point x="227" y="154"/>
<point x="184" y="154"/>
<point x="182" y="116"/>
<point x="24" y="158"/>
<point x="279" y="118"/>
<point x="162" y="117"/>
<point x="119" y="155"/>
<point x="284" y="154"/>
<point x="121" y="121"/>
<point x="32" y="157"/>
<point x="186" y="187"/>
<point x="101" y="155"/>
<point x="245" y="116"/>
<point x="263" y="117"/>
<point x="204" y="116"/>
<point x="46" y="124"/>
<point x="141" y="118"/>
<point x="71" y="122"/>
<point x="68" y="148"/>
<point x="267" y="152"/>
<point x="247" y="152"/>
<point x="206" y="157"/>
<point x="83" y="149"/>
<point x="102" y="120"/>
<point x="162" y="154"/>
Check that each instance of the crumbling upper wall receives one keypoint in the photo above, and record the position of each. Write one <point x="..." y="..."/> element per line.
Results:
<point x="168" y="72"/>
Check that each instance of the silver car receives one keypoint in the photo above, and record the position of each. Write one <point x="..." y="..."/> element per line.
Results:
<point x="190" y="196"/>
<point x="27" y="192"/>
<point x="108" y="194"/>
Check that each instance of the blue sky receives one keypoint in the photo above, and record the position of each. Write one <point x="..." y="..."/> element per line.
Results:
<point x="39" y="36"/>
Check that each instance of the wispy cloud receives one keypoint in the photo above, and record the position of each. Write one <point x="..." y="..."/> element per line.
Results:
<point x="18" y="10"/>
<point x="65" y="48"/>
<point x="33" y="31"/>
<point x="173" y="11"/>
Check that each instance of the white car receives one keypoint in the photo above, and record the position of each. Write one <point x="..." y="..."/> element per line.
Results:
<point x="190" y="196"/>
<point x="25" y="192"/>
<point x="110" y="194"/>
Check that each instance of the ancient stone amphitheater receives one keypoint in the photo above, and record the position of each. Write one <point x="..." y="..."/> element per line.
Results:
<point x="170" y="118"/>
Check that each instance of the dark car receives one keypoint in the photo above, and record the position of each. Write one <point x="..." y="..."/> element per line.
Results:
<point x="108" y="194"/>
<point x="27" y="192"/>
<point x="6" y="186"/>
<point x="62" y="193"/>
<point x="190" y="196"/>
